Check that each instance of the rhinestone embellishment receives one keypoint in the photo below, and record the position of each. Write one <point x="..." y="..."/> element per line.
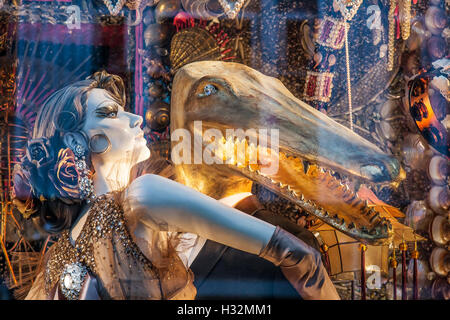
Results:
<point x="85" y="184"/>
<point x="69" y="263"/>
<point x="72" y="279"/>
<point x="79" y="150"/>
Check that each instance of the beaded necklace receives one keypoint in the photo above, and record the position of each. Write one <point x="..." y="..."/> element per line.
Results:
<point x="70" y="263"/>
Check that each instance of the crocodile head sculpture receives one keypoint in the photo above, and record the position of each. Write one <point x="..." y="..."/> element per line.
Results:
<point x="312" y="147"/>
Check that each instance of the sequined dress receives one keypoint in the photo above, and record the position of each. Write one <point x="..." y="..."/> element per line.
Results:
<point x="107" y="250"/>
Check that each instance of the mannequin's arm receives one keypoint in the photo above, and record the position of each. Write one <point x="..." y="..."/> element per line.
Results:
<point x="157" y="201"/>
<point x="160" y="203"/>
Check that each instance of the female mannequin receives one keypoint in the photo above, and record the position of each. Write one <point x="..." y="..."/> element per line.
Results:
<point x="86" y="123"/>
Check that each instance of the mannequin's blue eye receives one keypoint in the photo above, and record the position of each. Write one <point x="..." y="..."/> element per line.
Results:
<point x="208" y="90"/>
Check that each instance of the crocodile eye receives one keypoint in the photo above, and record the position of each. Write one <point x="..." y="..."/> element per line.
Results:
<point x="208" y="90"/>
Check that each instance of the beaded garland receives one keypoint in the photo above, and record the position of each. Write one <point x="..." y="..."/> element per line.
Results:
<point x="331" y="33"/>
<point x="105" y="217"/>
<point x="329" y="36"/>
<point x="318" y="86"/>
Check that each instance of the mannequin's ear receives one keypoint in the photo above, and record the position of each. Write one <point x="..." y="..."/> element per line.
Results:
<point x="72" y="139"/>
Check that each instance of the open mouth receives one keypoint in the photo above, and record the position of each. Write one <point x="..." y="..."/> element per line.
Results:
<point x="318" y="190"/>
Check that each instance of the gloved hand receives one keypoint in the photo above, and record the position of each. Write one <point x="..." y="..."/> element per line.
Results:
<point x="301" y="265"/>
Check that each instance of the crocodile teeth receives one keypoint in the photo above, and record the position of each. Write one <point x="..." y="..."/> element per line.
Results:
<point x="305" y="166"/>
<point x="350" y="200"/>
<point x="351" y="225"/>
<point x="375" y="216"/>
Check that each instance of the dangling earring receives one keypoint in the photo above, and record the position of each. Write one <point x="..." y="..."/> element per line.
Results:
<point x="85" y="184"/>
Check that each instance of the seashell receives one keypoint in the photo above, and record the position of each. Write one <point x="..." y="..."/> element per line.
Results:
<point x="149" y="17"/>
<point x="388" y="111"/>
<point x="162" y="52"/>
<point x="167" y="9"/>
<point x="436" y="47"/>
<point x="438" y="170"/>
<point x="386" y="131"/>
<point x="435" y="20"/>
<point x="155" y="89"/>
<point x="201" y="9"/>
<point x="157" y="116"/>
<point x="193" y="44"/>
<point x="439" y="199"/>
<point x="418" y="216"/>
<point x="440" y="230"/>
<point x="156" y="34"/>
<point x="414" y="148"/>
<point x="418" y="34"/>
<point x="306" y="39"/>
<point x="440" y="261"/>
<point x="388" y="108"/>
<point x="418" y="27"/>
<point x="440" y="289"/>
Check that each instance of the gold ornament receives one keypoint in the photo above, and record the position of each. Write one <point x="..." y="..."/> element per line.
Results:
<point x="391" y="43"/>
<point x="114" y="10"/>
<point x="405" y="18"/>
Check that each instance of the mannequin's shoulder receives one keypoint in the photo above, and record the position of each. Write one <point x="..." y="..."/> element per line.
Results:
<point x="154" y="186"/>
<point x="147" y="183"/>
<point x="150" y="180"/>
<point x="154" y="191"/>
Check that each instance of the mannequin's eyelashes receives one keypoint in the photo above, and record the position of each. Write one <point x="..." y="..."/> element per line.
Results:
<point x="109" y="111"/>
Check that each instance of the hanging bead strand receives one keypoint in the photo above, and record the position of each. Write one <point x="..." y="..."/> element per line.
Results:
<point x="348" y="15"/>
<point x="404" y="248"/>
<point x="415" y="256"/>
<point x="394" y="274"/>
<point x="349" y="83"/>
<point x="363" y="249"/>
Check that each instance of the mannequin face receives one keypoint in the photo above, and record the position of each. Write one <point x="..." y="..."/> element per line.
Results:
<point x="107" y="117"/>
